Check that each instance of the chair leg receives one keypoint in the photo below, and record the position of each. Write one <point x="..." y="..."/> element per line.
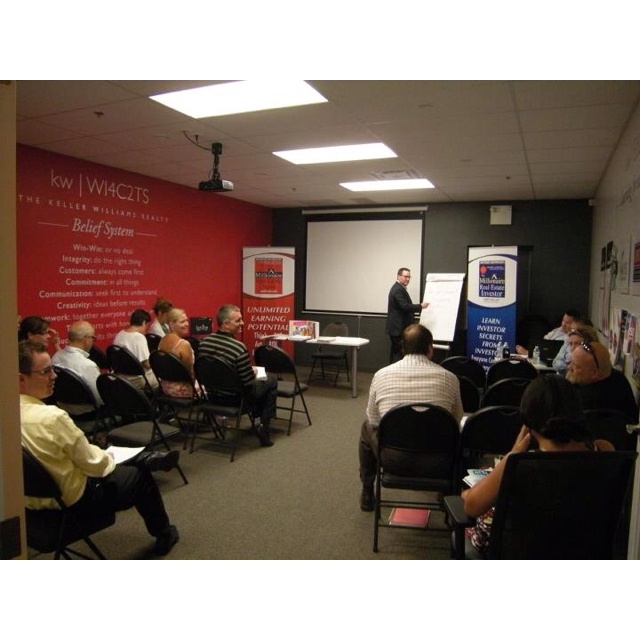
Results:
<point x="376" y="514"/>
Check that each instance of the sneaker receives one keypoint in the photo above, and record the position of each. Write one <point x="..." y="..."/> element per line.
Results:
<point x="166" y="540"/>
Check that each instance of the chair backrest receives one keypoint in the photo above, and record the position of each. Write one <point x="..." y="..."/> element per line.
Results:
<point x="611" y="425"/>
<point x="467" y="367"/>
<point x="470" y="394"/>
<point x="195" y="344"/>
<point x="122" y="361"/>
<point x="423" y="428"/>
<point x="560" y="505"/>
<point x="38" y="482"/>
<point x="122" y="398"/>
<point x="99" y="357"/>
<point x="491" y="430"/>
<point x="336" y="329"/>
<point x="217" y="377"/>
<point x="168" y="367"/>
<point x="510" y="368"/>
<point x="153" y="341"/>
<point x="505" y="392"/>
<point x="274" y="360"/>
<point x="70" y="388"/>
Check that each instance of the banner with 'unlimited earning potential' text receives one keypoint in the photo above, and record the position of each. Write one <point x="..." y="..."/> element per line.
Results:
<point x="268" y="283"/>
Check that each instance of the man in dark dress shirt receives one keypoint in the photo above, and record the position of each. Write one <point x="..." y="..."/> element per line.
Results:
<point x="599" y="385"/>
<point x="400" y="312"/>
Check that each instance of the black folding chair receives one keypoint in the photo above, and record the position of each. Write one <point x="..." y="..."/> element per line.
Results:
<point x="100" y="358"/>
<point x="510" y="368"/>
<point x="72" y="393"/>
<point x="169" y="369"/>
<point x="153" y="341"/>
<point x="279" y="362"/>
<point x="554" y="506"/>
<point x="54" y="530"/>
<point x="331" y="358"/>
<point x="133" y="417"/>
<point x="487" y="433"/>
<point x="125" y="363"/>
<point x="225" y="397"/>
<point x="505" y="392"/>
<point x="417" y="447"/>
<point x="462" y="366"/>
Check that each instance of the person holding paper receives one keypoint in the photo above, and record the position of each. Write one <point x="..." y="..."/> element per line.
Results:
<point x="224" y="344"/>
<point x="400" y="312"/>
<point x="88" y="476"/>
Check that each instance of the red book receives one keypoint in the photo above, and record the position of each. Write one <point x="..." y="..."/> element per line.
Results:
<point x="418" y="518"/>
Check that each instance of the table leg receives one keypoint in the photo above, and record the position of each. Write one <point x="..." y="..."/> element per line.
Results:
<point x="354" y="372"/>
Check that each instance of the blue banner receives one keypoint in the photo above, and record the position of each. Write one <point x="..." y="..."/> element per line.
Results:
<point x="491" y="301"/>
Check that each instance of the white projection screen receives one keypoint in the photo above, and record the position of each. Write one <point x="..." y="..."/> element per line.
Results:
<point x="351" y="264"/>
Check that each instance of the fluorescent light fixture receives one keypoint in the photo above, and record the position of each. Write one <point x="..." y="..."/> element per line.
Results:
<point x="343" y="153"/>
<point x="240" y="97"/>
<point x="388" y="185"/>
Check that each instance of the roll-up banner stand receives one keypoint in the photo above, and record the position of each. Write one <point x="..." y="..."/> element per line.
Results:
<point x="491" y="301"/>
<point x="268" y="283"/>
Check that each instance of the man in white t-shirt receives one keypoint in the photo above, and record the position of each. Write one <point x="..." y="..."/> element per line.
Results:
<point x="133" y="338"/>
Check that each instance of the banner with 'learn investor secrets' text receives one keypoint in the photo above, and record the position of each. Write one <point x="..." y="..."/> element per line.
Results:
<point x="268" y="282"/>
<point x="491" y="301"/>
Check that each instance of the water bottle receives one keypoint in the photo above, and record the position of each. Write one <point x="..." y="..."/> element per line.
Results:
<point x="506" y="352"/>
<point x="536" y="355"/>
<point x="498" y="355"/>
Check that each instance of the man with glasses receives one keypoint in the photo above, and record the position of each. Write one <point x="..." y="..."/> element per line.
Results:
<point x="88" y="476"/>
<point x="75" y="357"/>
<point x="400" y="312"/>
<point x="599" y="385"/>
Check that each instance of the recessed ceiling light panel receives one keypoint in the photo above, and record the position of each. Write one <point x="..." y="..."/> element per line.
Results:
<point x="343" y="153"/>
<point x="240" y="97"/>
<point x="388" y="185"/>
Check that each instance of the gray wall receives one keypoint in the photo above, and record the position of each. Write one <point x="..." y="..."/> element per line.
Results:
<point x="557" y="232"/>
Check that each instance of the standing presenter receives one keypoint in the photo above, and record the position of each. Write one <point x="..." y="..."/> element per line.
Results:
<point x="400" y="312"/>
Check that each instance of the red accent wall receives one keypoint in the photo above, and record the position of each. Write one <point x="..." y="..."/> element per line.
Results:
<point x="96" y="242"/>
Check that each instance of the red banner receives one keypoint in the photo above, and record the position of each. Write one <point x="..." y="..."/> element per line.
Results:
<point x="268" y="276"/>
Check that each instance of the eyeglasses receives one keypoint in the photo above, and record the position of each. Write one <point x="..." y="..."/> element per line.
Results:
<point x="589" y="349"/>
<point x="47" y="371"/>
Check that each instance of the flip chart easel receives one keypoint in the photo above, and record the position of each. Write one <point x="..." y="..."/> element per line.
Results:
<point x="442" y="292"/>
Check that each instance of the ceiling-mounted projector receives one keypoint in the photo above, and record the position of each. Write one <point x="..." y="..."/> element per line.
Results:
<point x="216" y="183"/>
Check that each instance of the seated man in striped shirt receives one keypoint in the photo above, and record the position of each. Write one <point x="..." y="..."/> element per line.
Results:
<point x="224" y="344"/>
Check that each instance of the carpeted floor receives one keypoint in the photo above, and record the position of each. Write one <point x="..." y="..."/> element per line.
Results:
<point x="296" y="500"/>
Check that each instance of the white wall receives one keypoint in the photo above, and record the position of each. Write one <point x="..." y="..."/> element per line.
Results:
<point x="617" y="217"/>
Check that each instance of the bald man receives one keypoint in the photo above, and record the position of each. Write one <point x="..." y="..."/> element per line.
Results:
<point x="599" y="385"/>
<point x="75" y="357"/>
